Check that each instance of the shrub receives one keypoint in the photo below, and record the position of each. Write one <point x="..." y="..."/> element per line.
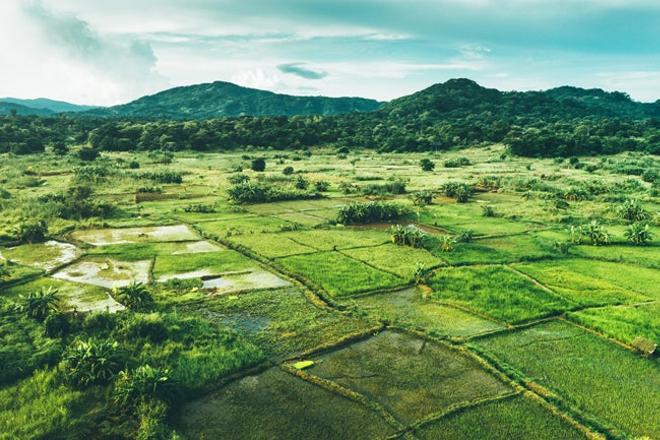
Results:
<point x="39" y="305"/>
<point x="87" y="154"/>
<point x="370" y="212"/>
<point x="632" y="211"/>
<point x="140" y="385"/>
<point x="258" y="164"/>
<point x="32" y="232"/>
<point x="457" y="190"/>
<point x="465" y="236"/>
<point x="100" y="322"/>
<point x="200" y="208"/>
<point x="638" y="233"/>
<point x="163" y="176"/>
<point x="407" y="236"/>
<point x="261" y="193"/>
<point x="562" y="247"/>
<point x="57" y="325"/>
<point x="301" y="182"/>
<point x="150" y="326"/>
<point x="446" y="243"/>
<point x="457" y="162"/>
<point x="396" y="186"/>
<point x="421" y="274"/>
<point x="287" y="171"/>
<point x="596" y="233"/>
<point x="423" y="198"/>
<point x="135" y="296"/>
<point x="488" y="211"/>
<point x="91" y="361"/>
<point x="238" y="178"/>
<point x="321" y="185"/>
<point x="426" y="165"/>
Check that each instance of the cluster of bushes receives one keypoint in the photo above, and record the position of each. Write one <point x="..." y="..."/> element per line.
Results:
<point x="407" y="236"/>
<point x="77" y="203"/>
<point x="130" y="365"/>
<point x="200" y="208"/>
<point x="258" y="192"/>
<point x="371" y="212"/>
<point x="163" y="176"/>
<point x="393" y="187"/>
<point x="457" y="162"/>
<point x="457" y="190"/>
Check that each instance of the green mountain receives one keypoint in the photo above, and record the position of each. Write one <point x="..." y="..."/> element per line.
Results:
<point x="7" y="108"/>
<point x="220" y="99"/>
<point x="460" y="98"/>
<point x="49" y="105"/>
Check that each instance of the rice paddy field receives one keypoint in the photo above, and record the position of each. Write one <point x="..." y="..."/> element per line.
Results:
<point x="504" y="315"/>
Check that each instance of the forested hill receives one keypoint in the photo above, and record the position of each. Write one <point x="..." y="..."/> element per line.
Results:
<point x="559" y="122"/>
<point x="224" y="99"/>
<point x="39" y="106"/>
<point x="460" y="98"/>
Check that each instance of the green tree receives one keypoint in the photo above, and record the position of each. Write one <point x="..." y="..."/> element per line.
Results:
<point x="426" y="165"/>
<point x="258" y="164"/>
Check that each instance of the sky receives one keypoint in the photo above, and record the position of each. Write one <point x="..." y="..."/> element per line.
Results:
<point x="106" y="52"/>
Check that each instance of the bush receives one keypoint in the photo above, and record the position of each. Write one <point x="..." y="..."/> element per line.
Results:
<point x="370" y="212"/>
<point x="396" y="186"/>
<point x="426" y="165"/>
<point x="92" y="361"/>
<point x="135" y="296"/>
<point x="32" y="232"/>
<point x="638" y="233"/>
<point x="632" y="211"/>
<point x="287" y="171"/>
<point x="39" y="305"/>
<point x="423" y="198"/>
<point x="100" y="322"/>
<point x="133" y="388"/>
<point x="407" y="236"/>
<point x="87" y="154"/>
<point x="238" y="178"/>
<point x="163" y="176"/>
<point x="258" y="164"/>
<point x="457" y="190"/>
<point x="321" y="185"/>
<point x="57" y="325"/>
<point x="457" y="162"/>
<point x="151" y="326"/>
<point x="596" y="233"/>
<point x="199" y="208"/>
<point x="248" y="192"/>
<point x="488" y="211"/>
<point x="301" y="182"/>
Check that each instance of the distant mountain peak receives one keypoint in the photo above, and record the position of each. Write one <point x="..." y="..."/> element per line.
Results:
<point x="223" y="99"/>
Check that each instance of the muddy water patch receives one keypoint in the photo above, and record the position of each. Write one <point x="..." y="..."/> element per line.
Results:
<point x="102" y="237"/>
<point x="46" y="256"/>
<point x="106" y="272"/>
<point x="237" y="282"/>
<point x="197" y="247"/>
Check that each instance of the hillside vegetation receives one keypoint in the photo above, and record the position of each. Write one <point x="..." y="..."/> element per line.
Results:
<point x="458" y="113"/>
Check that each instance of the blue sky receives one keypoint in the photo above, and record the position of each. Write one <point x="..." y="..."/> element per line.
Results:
<point x="108" y="52"/>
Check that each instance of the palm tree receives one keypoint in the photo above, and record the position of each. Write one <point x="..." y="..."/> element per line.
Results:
<point x="134" y="296"/>
<point x="39" y="305"/>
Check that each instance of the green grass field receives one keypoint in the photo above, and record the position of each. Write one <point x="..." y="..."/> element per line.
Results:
<point x="355" y="336"/>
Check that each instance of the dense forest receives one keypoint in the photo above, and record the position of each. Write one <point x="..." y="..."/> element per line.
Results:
<point x="560" y="122"/>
